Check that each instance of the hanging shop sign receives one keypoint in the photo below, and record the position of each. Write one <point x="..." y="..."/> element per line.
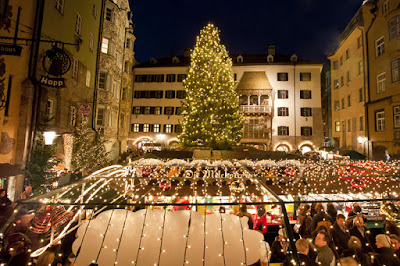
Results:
<point x="56" y="63"/>
<point x="52" y="82"/>
<point x="85" y="109"/>
<point x="6" y="49"/>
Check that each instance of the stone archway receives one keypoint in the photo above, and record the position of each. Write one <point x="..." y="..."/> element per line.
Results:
<point x="283" y="147"/>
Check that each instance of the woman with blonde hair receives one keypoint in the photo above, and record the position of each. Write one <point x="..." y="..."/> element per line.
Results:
<point x="354" y="250"/>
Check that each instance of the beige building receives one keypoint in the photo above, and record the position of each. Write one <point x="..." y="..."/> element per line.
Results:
<point x="280" y="98"/>
<point x="114" y="88"/>
<point x="382" y="27"/>
<point x="348" y="88"/>
<point x="366" y="104"/>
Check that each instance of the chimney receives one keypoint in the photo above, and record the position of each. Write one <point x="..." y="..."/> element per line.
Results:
<point x="187" y="52"/>
<point x="271" y="49"/>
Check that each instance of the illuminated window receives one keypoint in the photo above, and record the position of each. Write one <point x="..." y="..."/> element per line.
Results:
<point x="337" y="126"/>
<point x="336" y="84"/>
<point x="135" y="128"/>
<point x="283" y="94"/>
<point x="105" y="45"/>
<point x="337" y="106"/>
<point x="167" y="128"/>
<point x="395" y="66"/>
<point x="283" y="77"/>
<point x="380" y="120"/>
<point x="381" y="83"/>
<point x="156" y="128"/>
<point x="283" y="111"/>
<point x="146" y="128"/>
<point x="88" y="76"/>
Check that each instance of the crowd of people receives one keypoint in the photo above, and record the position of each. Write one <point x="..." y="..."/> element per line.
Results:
<point x="330" y="238"/>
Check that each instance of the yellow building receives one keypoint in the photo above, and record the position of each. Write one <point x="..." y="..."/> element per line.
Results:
<point x="15" y="90"/>
<point x="348" y="87"/>
<point x="382" y="30"/>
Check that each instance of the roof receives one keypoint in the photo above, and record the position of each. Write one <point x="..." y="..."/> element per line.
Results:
<point x="254" y="81"/>
<point x="248" y="59"/>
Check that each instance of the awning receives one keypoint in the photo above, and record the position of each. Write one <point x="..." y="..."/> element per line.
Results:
<point x="7" y="170"/>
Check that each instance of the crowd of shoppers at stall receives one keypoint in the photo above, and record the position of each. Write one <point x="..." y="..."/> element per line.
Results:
<point x="326" y="237"/>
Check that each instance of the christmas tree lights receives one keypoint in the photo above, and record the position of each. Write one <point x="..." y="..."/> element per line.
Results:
<point x="211" y="111"/>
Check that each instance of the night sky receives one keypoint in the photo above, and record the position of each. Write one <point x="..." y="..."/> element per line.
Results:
<point x="309" y="28"/>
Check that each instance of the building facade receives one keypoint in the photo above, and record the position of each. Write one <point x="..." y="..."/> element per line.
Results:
<point x="382" y="24"/>
<point x="280" y="98"/>
<point x="114" y="88"/>
<point x="348" y="88"/>
<point x="16" y="90"/>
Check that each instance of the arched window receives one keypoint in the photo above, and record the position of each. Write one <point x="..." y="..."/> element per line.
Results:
<point x="253" y="100"/>
<point x="243" y="100"/>
<point x="264" y="100"/>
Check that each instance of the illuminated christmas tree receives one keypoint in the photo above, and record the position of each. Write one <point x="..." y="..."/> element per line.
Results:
<point x="211" y="111"/>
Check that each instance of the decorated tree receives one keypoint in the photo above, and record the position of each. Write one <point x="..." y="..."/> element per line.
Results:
<point x="40" y="168"/>
<point x="211" y="111"/>
<point x="88" y="150"/>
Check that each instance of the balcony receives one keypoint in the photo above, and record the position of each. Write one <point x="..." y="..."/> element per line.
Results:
<point x="263" y="109"/>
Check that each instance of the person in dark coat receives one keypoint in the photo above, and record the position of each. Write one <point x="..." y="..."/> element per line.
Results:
<point x="279" y="247"/>
<point x="395" y="241"/>
<point x="303" y="248"/>
<point x="340" y="234"/>
<point x="320" y="216"/>
<point x="331" y="210"/>
<point x="243" y="212"/>
<point x="305" y="221"/>
<point x="354" y="250"/>
<point x="384" y="254"/>
<point x="362" y="233"/>
<point x="355" y="211"/>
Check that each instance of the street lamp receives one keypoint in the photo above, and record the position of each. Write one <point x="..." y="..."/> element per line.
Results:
<point x="49" y="137"/>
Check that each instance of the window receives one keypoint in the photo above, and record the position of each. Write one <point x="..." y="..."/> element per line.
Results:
<point x="157" y="110"/>
<point x="156" y="128"/>
<point x="88" y="76"/>
<point x="105" y="45"/>
<point x="396" y="116"/>
<point x="102" y="80"/>
<point x="78" y="24"/>
<point x="395" y="66"/>
<point x="167" y="128"/>
<point x="379" y="46"/>
<point x="171" y="77"/>
<point x="283" y="94"/>
<point x="91" y="41"/>
<point x="283" y="131"/>
<point x="347" y="54"/>
<point x="169" y="110"/>
<point x="381" y="83"/>
<point x="359" y="41"/>
<point x="343" y="126"/>
<point x="60" y="6"/>
<point x="169" y="94"/>
<point x="360" y="67"/>
<point x="109" y="14"/>
<point x="283" y="111"/>
<point x="72" y="116"/>
<point x="341" y="81"/>
<point x="305" y="111"/>
<point x="341" y="60"/>
<point x="135" y="128"/>
<point x="178" y="129"/>
<point x="305" y="94"/>
<point x="264" y="100"/>
<point x="101" y="117"/>
<point x="361" y="123"/>
<point x="337" y="126"/>
<point x="253" y="100"/>
<point x="178" y="110"/>
<point x="50" y="109"/>
<point x="336" y="84"/>
<point x="306" y="131"/>
<point x="75" y="66"/>
<point x="254" y="128"/>
<point x="94" y="10"/>
<point x="147" y="110"/>
<point x="126" y="67"/>
<point x="361" y="94"/>
<point x="124" y="92"/>
<point x="128" y="43"/>
<point x="385" y="7"/>
<point x="146" y="128"/>
<point x="394" y="27"/>
<point x="305" y="76"/>
<point x="380" y="120"/>
<point x="335" y="65"/>
<point x="181" y="94"/>
<point x="136" y="110"/>
<point x="342" y="103"/>
<point x="283" y="77"/>
<point x="337" y="105"/>
<point x="349" y="125"/>
<point x="181" y="77"/>
<point x="348" y="76"/>
<point x="348" y="100"/>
